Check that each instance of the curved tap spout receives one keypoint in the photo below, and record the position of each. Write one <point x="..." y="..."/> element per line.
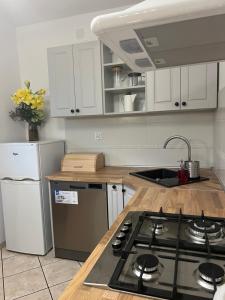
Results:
<point x="180" y="137"/>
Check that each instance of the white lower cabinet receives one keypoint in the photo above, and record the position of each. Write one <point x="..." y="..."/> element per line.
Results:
<point x="115" y="201"/>
<point x="127" y="194"/>
<point x="118" y="197"/>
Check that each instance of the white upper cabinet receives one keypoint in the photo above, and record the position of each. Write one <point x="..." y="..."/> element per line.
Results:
<point x="163" y="89"/>
<point x="88" y="81"/>
<point x="75" y="80"/>
<point x="199" y="86"/>
<point x="185" y="88"/>
<point x="61" y="81"/>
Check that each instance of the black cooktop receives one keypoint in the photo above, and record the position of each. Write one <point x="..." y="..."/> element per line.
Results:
<point x="164" y="256"/>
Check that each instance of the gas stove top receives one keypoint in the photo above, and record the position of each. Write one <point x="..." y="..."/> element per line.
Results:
<point x="164" y="256"/>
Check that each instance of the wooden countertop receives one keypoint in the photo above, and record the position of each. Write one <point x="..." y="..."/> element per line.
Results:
<point x="192" y="199"/>
<point x="121" y="175"/>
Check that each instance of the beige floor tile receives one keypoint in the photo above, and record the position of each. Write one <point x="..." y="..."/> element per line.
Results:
<point x="1" y="290"/>
<point x="23" y="284"/>
<point x="58" y="289"/>
<point x="48" y="259"/>
<point x="19" y="263"/>
<point x="42" y="295"/>
<point x="60" y="271"/>
<point x="7" y="254"/>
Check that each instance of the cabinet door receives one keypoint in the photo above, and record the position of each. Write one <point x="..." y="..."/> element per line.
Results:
<point x="127" y="194"/>
<point x="163" y="89"/>
<point x="115" y="201"/>
<point x="88" y="80"/>
<point x="61" y="81"/>
<point x="199" y="86"/>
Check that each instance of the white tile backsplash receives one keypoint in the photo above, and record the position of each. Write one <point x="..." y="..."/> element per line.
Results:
<point x="139" y="140"/>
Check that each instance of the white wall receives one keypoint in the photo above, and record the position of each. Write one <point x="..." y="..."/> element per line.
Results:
<point x="219" y="129"/>
<point x="128" y="141"/>
<point x="9" y="81"/>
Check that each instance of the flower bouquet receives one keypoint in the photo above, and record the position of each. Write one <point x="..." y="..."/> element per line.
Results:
<point x="29" y="108"/>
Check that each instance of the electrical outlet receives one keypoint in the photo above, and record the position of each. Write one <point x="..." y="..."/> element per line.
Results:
<point x="99" y="136"/>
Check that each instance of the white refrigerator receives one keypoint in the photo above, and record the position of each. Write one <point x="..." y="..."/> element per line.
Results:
<point x="25" y="195"/>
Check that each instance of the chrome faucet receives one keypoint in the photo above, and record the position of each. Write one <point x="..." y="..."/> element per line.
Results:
<point x="180" y="138"/>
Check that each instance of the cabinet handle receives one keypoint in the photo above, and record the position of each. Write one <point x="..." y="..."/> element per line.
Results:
<point x="72" y="111"/>
<point x="77" y="110"/>
<point x="184" y="103"/>
<point x="114" y="187"/>
<point x="123" y="191"/>
<point x="176" y="103"/>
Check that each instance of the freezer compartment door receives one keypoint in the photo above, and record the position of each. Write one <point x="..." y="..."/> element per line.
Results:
<point x="19" y="161"/>
<point x="23" y="218"/>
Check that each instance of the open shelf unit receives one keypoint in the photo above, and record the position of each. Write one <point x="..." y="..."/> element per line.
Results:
<point x="121" y="97"/>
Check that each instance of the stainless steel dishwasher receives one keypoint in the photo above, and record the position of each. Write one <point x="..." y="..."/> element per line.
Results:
<point x="79" y="217"/>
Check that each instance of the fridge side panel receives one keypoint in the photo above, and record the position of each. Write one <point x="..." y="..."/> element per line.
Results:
<point x="50" y="156"/>
<point x="46" y="215"/>
<point x="19" y="161"/>
<point x="23" y="216"/>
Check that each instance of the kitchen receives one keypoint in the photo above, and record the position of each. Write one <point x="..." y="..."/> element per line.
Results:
<point x="127" y="138"/>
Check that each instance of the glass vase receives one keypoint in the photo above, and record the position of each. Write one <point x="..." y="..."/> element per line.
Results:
<point x="33" y="133"/>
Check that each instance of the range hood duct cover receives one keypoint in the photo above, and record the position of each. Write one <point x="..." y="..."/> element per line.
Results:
<point x="165" y="33"/>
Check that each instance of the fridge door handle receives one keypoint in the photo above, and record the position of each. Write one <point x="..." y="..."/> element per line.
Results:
<point x="20" y="180"/>
<point x="7" y="178"/>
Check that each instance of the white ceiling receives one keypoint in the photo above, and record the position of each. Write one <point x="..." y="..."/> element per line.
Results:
<point x="25" y="12"/>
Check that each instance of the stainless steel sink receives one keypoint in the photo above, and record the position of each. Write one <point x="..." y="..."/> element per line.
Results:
<point x="164" y="177"/>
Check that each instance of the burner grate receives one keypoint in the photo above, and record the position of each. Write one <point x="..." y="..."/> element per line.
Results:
<point x="178" y="246"/>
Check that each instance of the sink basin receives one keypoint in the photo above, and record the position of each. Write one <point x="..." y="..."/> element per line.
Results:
<point x="156" y="174"/>
<point x="164" y="177"/>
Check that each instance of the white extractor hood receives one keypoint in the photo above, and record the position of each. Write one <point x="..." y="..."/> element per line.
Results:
<point x="165" y="33"/>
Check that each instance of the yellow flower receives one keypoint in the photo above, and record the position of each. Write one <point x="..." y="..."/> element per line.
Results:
<point x="27" y="83"/>
<point x="26" y="96"/>
<point x="41" y="92"/>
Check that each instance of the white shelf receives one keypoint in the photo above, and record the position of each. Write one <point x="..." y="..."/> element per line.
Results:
<point x="134" y="112"/>
<point x="125" y="89"/>
<point x="114" y="64"/>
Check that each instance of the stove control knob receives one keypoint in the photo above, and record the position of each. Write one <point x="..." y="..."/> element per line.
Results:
<point x="128" y="223"/>
<point x="124" y="229"/>
<point x="116" y="244"/>
<point x="121" y="236"/>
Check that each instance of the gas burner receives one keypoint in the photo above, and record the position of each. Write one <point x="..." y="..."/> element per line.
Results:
<point x="150" y="264"/>
<point x="210" y="275"/>
<point x="158" y="226"/>
<point x="198" y="229"/>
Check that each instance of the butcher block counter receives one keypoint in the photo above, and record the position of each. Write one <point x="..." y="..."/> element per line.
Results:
<point x="192" y="199"/>
<point x="121" y="175"/>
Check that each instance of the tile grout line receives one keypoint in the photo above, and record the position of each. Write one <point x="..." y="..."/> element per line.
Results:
<point x="21" y="272"/>
<point x="45" y="279"/>
<point x="30" y="294"/>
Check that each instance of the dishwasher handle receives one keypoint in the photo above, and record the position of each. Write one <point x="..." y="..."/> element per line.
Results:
<point x="74" y="187"/>
<point x="96" y="186"/>
<point x="90" y="186"/>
